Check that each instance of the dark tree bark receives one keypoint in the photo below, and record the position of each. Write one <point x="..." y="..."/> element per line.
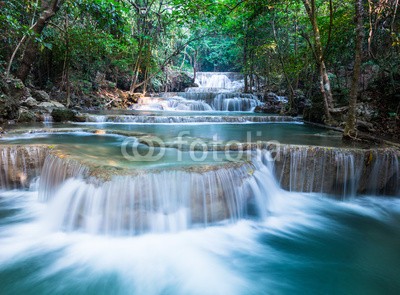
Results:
<point x="292" y="106"/>
<point x="350" y="128"/>
<point x="49" y="9"/>
<point x="325" y="85"/>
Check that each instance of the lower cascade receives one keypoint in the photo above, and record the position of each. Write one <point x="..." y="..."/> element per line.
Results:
<point x="155" y="201"/>
<point x="201" y="229"/>
<point x="178" y="199"/>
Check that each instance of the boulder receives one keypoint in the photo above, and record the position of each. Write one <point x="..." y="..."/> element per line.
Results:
<point x="365" y="126"/>
<point x="26" y="116"/>
<point x="40" y="95"/>
<point x="8" y="107"/>
<point x="30" y="102"/>
<point x="62" y="115"/>
<point x="50" y="105"/>
<point x="366" y="111"/>
<point x="57" y="104"/>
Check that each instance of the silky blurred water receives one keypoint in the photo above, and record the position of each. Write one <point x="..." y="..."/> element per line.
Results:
<point x="307" y="244"/>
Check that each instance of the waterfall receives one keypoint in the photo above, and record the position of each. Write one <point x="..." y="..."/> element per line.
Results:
<point x="182" y="104"/>
<point x="217" y="92"/>
<point x="211" y="81"/>
<point x="47" y="120"/>
<point x="179" y="199"/>
<point x="55" y="172"/>
<point x="136" y="202"/>
<point x="166" y="201"/>
<point x="174" y="103"/>
<point x="343" y="172"/>
<point x="238" y="102"/>
<point x="186" y="119"/>
<point x="20" y="164"/>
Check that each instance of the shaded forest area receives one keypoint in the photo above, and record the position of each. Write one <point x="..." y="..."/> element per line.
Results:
<point x="337" y="62"/>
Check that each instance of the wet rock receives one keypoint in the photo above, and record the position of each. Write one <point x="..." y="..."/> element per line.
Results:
<point x="80" y="118"/>
<point x="8" y="107"/>
<point x="274" y="104"/>
<point x="270" y="108"/>
<point x="366" y="111"/>
<point x="365" y="126"/>
<point x="26" y="116"/>
<point x="62" y="115"/>
<point x="57" y="104"/>
<point x="40" y="95"/>
<point x="50" y="105"/>
<point x="30" y="102"/>
<point x="179" y="81"/>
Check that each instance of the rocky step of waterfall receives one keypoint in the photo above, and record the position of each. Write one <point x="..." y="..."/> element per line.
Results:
<point x="199" y="101"/>
<point x="160" y="119"/>
<point x="106" y="200"/>
<point x="338" y="171"/>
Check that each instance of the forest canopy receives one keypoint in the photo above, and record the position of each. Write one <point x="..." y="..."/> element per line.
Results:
<point x="290" y="46"/>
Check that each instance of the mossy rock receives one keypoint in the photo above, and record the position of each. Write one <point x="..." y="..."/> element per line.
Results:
<point x="62" y="115"/>
<point x="8" y="107"/>
<point x="27" y="117"/>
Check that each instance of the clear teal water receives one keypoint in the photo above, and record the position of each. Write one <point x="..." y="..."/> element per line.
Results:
<point x="287" y="133"/>
<point x="310" y="245"/>
<point x="307" y="244"/>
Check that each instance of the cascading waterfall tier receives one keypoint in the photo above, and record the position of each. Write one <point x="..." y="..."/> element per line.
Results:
<point x="155" y="201"/>
<point x="20" y="164"/>
<point x="219" y="80"/>
<point x="216" y="92"/>
<point x="174" y="200"/>
<point x="175" y="103"/>
<point x="55" y="172"/>
<point x="343" y="172"/>
<point x="186" y="119"/>
<point x="237" y="102"/>
<point x="130" y="202"/>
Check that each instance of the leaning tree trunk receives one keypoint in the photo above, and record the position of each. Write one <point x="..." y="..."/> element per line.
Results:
<point x="49" y="9"/>
<point x="325" y="85"/>
<point x="350" y="128"/>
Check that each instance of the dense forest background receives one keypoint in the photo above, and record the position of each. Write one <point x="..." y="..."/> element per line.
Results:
<point x="321" y="54"/>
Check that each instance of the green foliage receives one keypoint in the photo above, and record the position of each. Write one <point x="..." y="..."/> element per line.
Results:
<point x="143" y="40"/>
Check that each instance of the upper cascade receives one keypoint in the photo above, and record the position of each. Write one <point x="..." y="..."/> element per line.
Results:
<point x="218" y="82"/>
<point x="216" y="92"/>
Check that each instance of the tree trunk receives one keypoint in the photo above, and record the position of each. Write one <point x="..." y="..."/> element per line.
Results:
<point x="245" y="49"/>
<point x="292" y="106"/>
<point x="325" y="85"/>
<point x="49" y="9"/>
<point x="195" y="65"/>
<point x="350" y="129"/>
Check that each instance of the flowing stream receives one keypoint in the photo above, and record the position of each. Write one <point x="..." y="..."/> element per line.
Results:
<point x="295" y="211"/>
